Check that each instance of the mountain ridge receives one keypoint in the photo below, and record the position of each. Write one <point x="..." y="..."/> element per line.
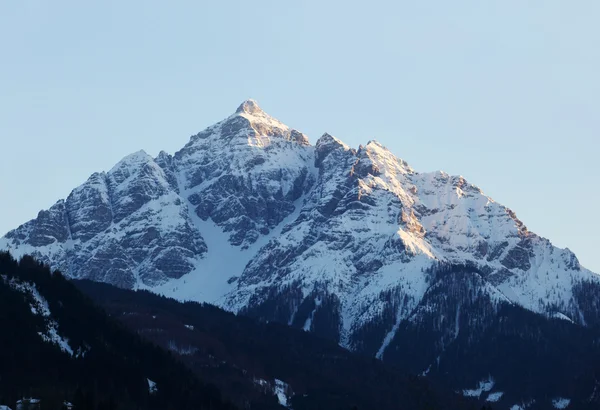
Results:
<point x="139" y="179"/>
<point x="352" y="244"/>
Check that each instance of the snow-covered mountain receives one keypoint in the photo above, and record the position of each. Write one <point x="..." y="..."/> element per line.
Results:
<point x="340" y="241"/>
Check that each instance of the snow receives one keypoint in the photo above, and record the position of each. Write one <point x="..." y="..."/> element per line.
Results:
<point x="413" y="284"/>
<point x="485" y="386"/>
<point x="152" y="389"/>
<point x="208" y="281"/>
<point x="547" y="283"/>
<point x="190" y="327"/>
<point x="280" y="391"/>
<point x="494" y="397"/>
<point x="39" y="307"/>
<point x="327" y="139"/>
<point x="52" y="336"/>
<point x="558" y="315"/>
<point x="182" y="350"/>
<point x="279" y="388"/>
<point x="561" y="403"/>
<point x="2" y="407"/>
<point x="388" y="339"/>
<point x="81" y="352"/>
<point x="457" y="322"/>
<point x="27" y="401"/>
<point x="308" y="324"/>
<point x="261" y="382"/>
<point x="131" y="161"/>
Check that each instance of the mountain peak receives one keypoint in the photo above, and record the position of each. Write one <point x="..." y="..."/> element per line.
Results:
<point x="249" y="106"/>
<point x="328" y="139"/>
<point x="136" y="158"/>
<point x="376" y="151"/>
<point x="326" y="145"/>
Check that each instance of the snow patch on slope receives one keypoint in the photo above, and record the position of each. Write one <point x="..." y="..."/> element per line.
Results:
<point x="494" y="397"/>
<point x="279" y="388"/>
<point x="281" y="391"/>
<point x="39" y="307"/>
<point x="561" y="403"/>
<point x="484" y="387"/>
<point x="308" y="323"/>
<point x="214" y="275"/>
<point x="152" y="389"/>
<point x="208" y="281"/>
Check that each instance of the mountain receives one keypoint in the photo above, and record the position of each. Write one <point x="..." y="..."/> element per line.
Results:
<point x="351" y="244"/>
<point x="56" y="345"/>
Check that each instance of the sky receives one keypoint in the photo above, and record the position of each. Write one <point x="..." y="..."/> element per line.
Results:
<point x="505" y="93"/>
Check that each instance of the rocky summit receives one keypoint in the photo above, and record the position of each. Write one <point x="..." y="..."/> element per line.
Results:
<point x="352" y="244"/>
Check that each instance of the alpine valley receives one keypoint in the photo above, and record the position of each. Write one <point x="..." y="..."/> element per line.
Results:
<point x="420" y="270"/>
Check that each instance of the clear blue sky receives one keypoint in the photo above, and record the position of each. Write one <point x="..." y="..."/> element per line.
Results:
<point x="505" y="93"/>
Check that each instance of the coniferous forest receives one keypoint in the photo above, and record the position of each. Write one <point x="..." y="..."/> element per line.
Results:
<point x="236" y="351"/>
<point x="110" y="366"/>
<point x="198" y="356"/>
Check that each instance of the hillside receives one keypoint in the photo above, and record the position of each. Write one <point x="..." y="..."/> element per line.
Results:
<point x="243" y="356"/>
<point x="56" y="345"/>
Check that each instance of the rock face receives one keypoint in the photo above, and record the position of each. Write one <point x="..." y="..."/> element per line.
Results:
<point x="352" y="244"/>
<point x="124" y="226"/>
<point x="137" y="225"/>
<point x="244" y="173"/>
